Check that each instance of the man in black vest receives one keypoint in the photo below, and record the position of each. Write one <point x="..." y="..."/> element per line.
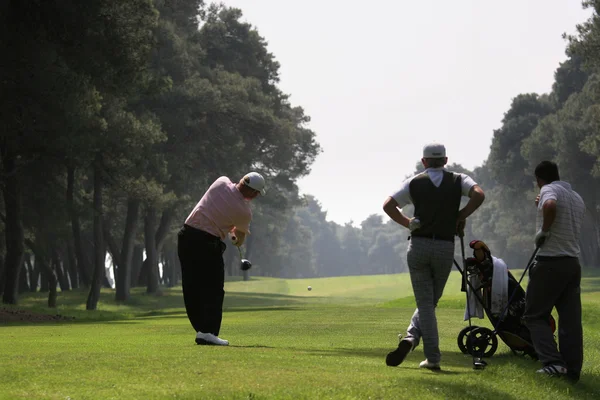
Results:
<point x="436" y="195"/>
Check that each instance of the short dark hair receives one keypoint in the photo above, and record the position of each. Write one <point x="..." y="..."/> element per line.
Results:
<point x="436" y="162"/>
<point x="547" y="171"/>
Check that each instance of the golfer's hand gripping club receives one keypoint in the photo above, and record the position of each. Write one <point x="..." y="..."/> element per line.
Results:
<point x="460" y="228"/>
<point x="233" y="238"/>
<point x="541" y="237"/>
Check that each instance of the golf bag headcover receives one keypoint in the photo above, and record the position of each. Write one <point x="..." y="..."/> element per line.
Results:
<point x="480" y="250"/>
<point x="482" y="260"/>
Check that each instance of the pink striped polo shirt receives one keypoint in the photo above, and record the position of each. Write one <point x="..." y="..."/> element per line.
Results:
<point x="221" y="209"/>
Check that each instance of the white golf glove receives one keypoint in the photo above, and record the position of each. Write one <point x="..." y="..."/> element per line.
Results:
<point x="233" y="238"/>
<point x="414" y="223"/>
<point x="541" y="237"/>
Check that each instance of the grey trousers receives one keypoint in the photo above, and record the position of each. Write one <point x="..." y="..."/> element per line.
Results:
<point x="555" y="282"/>
<point x="429" y="263"/>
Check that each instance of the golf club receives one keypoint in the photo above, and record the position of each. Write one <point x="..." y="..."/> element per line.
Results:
<point x="529" y="264"/>
<point x="245" y="264"/>
<point x="478" y="363"/>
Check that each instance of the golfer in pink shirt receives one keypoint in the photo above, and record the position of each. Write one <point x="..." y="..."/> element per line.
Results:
<point x="223" y="211"/>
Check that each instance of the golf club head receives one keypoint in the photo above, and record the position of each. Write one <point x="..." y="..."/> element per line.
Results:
<point x="478" y="363"/>
<point x="245" y="265"/>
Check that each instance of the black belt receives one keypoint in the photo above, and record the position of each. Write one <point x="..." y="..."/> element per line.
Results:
<point x="554" y="258"/>
<point x="200" y="233"/>
<point x="445" y="238"/>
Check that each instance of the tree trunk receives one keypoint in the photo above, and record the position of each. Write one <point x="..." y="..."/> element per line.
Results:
<point x="82" y="266"/>
<point x="34" y="275"/>
<point x="53" y="267"/>
<point x="164" y="228"/>
<point x="1" y="271"/>
<point x="31" y="283"/>
<point x="124" y="270"/>
<point x="13" y="226"/>
<point x="99" y="249"/>
<point x="161" y="235"/>
<point x="142" y="277"/>
<point x="46" y="265"/>
<point x="151" y="253"/>
<point x="137" y="262"/>
<point x="44" y="278"/>
<point x="73" y="275"/>
<point x="23" y="278"/>
<point x="48" y="277"/>
<point x="111" y="244"/>
<point x="63" y="279"/>
<point x="168" y="268"/>
<point x="113" y="251"/>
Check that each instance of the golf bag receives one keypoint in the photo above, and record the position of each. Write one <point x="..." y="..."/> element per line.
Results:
<point x="508" y="324"/>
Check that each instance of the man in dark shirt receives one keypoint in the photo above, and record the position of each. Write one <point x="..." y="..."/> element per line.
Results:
<point x="436" y="195"/>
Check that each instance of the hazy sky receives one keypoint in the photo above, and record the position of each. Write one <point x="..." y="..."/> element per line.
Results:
<point x="381" y="80"/>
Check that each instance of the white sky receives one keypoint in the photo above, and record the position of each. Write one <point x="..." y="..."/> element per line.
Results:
<point x="381" y="80"/>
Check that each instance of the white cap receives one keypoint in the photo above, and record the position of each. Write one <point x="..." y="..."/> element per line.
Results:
<point x="434" y="150"/>
<point x="255" y="181"/>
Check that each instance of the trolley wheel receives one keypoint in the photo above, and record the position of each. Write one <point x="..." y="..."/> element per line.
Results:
<point x="462" y="338"/>
<point x="482" y="342"/>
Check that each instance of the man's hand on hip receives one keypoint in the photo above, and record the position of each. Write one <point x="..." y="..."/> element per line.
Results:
<point x="414" y="223"/>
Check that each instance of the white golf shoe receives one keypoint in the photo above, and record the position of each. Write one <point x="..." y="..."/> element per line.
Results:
<point x="210" y="339"/>
<point x="430" y="365"/>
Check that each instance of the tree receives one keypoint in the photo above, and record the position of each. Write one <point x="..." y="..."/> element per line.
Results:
<point x="569" y="137"/>
<point x="586" y="42"/>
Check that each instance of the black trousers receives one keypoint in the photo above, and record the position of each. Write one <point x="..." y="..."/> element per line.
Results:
<point x="203" y="278"/>
<point x="555" y="282"/>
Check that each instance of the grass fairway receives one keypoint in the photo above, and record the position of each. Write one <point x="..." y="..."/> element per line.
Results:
<point x="286" y="343"/>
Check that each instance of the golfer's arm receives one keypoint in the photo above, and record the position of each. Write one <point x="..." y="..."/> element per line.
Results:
<point x="548" y="214"/>
<point x="390" y="207"/>
<point x="476" y="198"/>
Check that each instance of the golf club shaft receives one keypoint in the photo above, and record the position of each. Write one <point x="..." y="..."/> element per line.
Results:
<point x="504" y="312"/>
<point x="465" y="282"/>
<point x="529" y="263"/>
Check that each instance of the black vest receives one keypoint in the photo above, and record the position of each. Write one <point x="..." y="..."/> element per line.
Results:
<point x="436" y="207"/>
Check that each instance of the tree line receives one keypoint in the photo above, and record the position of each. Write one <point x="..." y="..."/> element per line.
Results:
<point x="562" y="125"/>
<point x="115" y="118"/>
<point x="118" y="115"/>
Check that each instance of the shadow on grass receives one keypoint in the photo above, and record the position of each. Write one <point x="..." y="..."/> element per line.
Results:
<point x="159" y="313"/>
<point x="239" y="300"/>
<point x="251" y="346"/>
<point x="167" y="304"/>
<point x="456" y="390"/>
<point x="451" y="359"/>
<point x="348" y="352"/>
<point x="587" y="387"/>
